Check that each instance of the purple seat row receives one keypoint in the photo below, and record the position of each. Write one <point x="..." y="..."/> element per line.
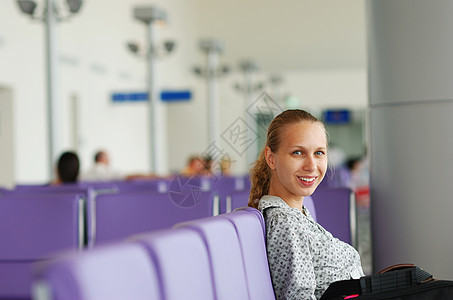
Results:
<point x="33" y="229"/>
<point x="117" y="209"/>
<point x="219" y="183"/>
<point x="108" y="213"/>
<point x="41" y="227"/>
<point x="221" y="257"/>
<point x="38" y="221"/>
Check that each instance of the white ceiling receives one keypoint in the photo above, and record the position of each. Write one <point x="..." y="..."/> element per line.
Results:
<point x="288" y="34"/>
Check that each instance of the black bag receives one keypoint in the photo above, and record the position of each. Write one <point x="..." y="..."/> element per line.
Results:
<point x="398" y="282"/>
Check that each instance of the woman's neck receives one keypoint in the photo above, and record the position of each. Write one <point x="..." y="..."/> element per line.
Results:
<point x="292" y="200"/>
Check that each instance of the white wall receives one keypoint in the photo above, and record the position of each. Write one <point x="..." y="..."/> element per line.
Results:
<point x="93" y="63"/>
<point x="6" y="139"/>
<point x="288" y="34"/>
<point x="21" y="70"/>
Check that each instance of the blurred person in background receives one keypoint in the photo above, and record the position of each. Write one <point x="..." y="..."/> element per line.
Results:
<point x="68" y="167"/>
<point x="101" y="170"/>
<point x="225" y="166"/>
<point x="195" y="166"/>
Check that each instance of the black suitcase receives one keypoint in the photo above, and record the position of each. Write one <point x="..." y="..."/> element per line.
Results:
<point x="399" y="282"/>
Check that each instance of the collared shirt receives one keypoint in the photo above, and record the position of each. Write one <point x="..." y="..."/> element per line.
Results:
<point x="304" y="258"/>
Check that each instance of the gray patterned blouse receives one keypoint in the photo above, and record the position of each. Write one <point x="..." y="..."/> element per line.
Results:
<point x="304" y="258"/>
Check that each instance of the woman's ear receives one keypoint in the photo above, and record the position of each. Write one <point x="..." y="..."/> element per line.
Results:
<point x="270" y="158"/>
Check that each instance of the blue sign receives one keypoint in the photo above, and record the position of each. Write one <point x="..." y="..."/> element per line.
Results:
<point x="129" y="97"/>
<point x="172" y="96"/>
<point x="166" y="96"/>
<point x="337" y="116"/>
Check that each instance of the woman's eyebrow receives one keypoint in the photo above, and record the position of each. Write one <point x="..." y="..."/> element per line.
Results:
<point x="303" y="147"/>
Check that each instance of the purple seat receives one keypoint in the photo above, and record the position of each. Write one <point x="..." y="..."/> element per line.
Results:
<point x="69" y="187"/>
<point x="235" y="199"/>
<point x="183" y="263"/>
<point x="232" y="183"/>
<point x="249" y="228"/>
<point x="101" y="186"/>
<point x="155" y="185"/>
<point x="257" y="213"/>
<point x="336" y="177"/>
<point x="120" y="271"/>
<point x="238" y="199"/>
<point x="33" y="229"/>
<point x="117" y="216"/>
<point x="225" y="187"/>
<point x="184" y="188"/>
<point x="248" y="183"/>
<point x="225" y="256"/>
<point x="190" y="182"/>
<point x="41" y="191"/>
<point x="335" y="211"/>
<point x="85" y="188"/>
<point x="4" y="190"/>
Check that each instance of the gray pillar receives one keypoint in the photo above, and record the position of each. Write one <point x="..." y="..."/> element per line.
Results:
<point x="153" y="103"/>
<point x="411" y="133"/>
<point x="52" y="85"/>
<point x="150" y="15"/>
<point x="213" y="48"/>
<point x="249" y="68"/>
<point x="213" y="95"/>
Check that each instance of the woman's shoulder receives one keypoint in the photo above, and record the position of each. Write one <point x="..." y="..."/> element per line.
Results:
<point x="277" y="212"/>
<point x="268" y="201"/>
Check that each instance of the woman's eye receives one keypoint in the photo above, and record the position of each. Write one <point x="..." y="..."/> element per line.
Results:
<point x="319" y="153"/>
<point x="297" y="152"/>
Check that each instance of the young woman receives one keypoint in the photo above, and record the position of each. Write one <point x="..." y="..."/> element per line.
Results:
<point x="303" y="257"/>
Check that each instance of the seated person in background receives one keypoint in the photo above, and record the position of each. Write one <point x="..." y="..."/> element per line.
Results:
<point x="195" y="166"/>
<point x="68" y="167"/>
<point x="225" y="166"/>
<point x="101" y="170"/>
<point x="359" y="173"/>
<point x="304" y="258"/>
<point x="337" y="173"/>
<point x="359" y="181"/>
<point x="208" y="166"/>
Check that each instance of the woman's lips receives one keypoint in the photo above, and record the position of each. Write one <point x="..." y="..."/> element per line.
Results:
<point x="307" y="180"/>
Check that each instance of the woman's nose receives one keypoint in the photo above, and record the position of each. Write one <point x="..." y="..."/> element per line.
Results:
<point x="309" y="163"/>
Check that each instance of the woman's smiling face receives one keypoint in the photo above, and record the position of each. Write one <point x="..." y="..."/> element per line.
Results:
<point x="300" y="163"/>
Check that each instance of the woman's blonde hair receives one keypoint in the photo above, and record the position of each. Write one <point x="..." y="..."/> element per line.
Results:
<point x="260" y="173"/>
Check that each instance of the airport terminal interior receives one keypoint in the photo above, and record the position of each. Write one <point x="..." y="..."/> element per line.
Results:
<point x="171" y="100"/>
